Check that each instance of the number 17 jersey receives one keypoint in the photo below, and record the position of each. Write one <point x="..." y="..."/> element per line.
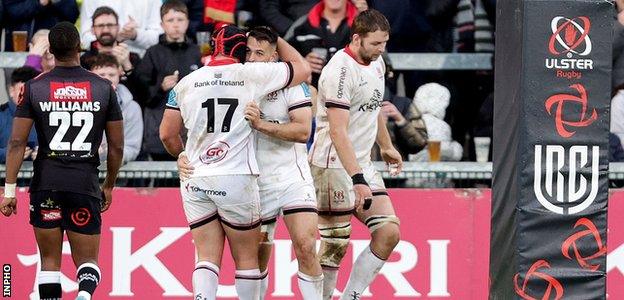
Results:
<point x="212" y="101"/>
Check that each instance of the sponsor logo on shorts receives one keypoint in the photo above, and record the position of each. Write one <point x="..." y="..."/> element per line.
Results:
<point x="339" y="197"/>
<point x="81" y="216"/>
<point x="195" y="189"/>
<point x="49" y="203"/>
<point x="272" y="97"/>
<point x="51" y="215"/>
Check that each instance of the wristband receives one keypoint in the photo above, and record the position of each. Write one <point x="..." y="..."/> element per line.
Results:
<point x="9" y="190"/>
<point x="359" y="179"/>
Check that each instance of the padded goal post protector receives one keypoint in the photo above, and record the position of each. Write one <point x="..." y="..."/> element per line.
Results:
<point x="551" y="126"/>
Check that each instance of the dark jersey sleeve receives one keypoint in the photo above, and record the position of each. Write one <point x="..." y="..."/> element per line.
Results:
<point x="114" y="110"/>
<point x="24" y="105"/>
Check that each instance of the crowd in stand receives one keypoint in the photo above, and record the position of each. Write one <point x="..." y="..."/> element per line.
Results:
<point x="144" y="47"/>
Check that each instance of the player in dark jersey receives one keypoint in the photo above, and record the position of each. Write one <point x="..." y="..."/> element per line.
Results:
<point x="70" y="108"/>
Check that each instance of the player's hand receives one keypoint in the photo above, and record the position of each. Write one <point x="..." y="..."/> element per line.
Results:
<point x="315" y="61"/>
<point x="185" y="170"/>
<point x="253" y="114"/>
<point x="170" y="81"/>
<point x="8" y="206"/>
<point x="44" y="2"/>
<point x="121" y="52"/>
<point x="129" y="30"/>
<point x="362" y="192"/>
<point x="107" y="198"/>
<point x="393" y="159"/>
<point x="39" y="45"/>
<point x="391" y="112"/>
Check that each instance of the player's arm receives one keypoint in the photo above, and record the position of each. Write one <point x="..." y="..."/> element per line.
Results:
<point x="388" y="153"/>
<point x="14" y="159"/>
<point x="114" y="158"/>
<point x="170" y="129"/>
<point x="298" y="130"/>
<point x="300" y="67"/>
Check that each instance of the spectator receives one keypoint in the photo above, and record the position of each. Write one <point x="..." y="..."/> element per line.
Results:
<point x="405" y="124"/>
<point x="7" y="111"/>
<point x="484" y="124"/>
<point x="280" y="14"/>
<point x="139" y="25"/>
<point x="39" y="56"/>
<point x="33" y="15"/>
<point x="432" y="99"/>
<point x="107" y="66"/>
<point x="105" y="28"/>
<point x="162" y="67"/>
<point x="322" y="32"/>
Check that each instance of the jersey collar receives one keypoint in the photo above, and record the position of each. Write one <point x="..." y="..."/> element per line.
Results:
<point x="348" y="51"/>
<point x="222" y="62"/>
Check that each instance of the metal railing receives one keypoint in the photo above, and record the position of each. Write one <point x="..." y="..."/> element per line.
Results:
<point x="401" y="61"/>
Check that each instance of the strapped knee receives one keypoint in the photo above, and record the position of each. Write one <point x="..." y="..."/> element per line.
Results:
<point x="269" y="229"/>
<point x="334" y="243"/>
<point x="377" y="221"/>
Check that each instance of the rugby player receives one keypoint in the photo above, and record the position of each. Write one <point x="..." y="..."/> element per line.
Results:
<point x="70" y="108"/>
<point x="221" y="197"/>
<point x="283" y="120"/>
<point x="351" y="87"/>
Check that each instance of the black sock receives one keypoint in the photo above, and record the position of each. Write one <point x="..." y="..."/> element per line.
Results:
<point x="50" y="285"/>
<point x="88" y="276"/>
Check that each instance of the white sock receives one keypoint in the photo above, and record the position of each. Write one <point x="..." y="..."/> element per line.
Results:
<point x="365" y="268"/>
<point x="264" y="284"/>
<point x="311" y="287"/>
<point x="330" y="277"/>
<point x="205" y="281"/>
<point x="49" y="285"/>
<point x="248" y="284"/>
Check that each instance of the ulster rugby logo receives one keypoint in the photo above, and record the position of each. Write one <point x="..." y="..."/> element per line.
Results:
<point x="570" y="36"/>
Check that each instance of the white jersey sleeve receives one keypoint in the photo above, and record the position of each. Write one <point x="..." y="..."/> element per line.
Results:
<point x="269" y="77"/>
<point x="298" y="96"/>
<point x="337" y="86"/>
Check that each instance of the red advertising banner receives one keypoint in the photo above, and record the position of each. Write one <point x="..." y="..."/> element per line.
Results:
<point x="147" y="251"/>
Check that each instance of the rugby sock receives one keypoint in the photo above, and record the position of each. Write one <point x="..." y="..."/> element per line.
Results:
<point x="264" y="284"/>
<point x="311" y="287"/>
<point x="49" y="285"/>
<point x="365" y="268"/>
<point x="88" y="275"/>
<point x="330" y="277"/>
<point x="205" y="281"/>
<point x="248" y="284"/>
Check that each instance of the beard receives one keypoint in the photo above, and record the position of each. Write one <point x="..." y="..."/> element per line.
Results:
<point x="106" y="40"/>
<point x="366" y="56"/>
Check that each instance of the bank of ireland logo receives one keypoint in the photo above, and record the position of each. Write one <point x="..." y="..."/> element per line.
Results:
<point x="563" y="193"/>
<point x="570" y="36"/>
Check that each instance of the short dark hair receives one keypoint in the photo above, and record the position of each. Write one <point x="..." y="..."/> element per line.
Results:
<point x="176" y="5"/>
<point x="104" y="60"/>
<point x="369" y="21"/>
<point x="103" y="10"/>
<point x="23" y="74"/>
<point x="264" y="33"/>
<point x="64" y="41"/>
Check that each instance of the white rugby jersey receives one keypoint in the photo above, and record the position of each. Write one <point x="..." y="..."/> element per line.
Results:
<point x="282" y="161"/>
<point x="212" y="102"/>
<point x="347" y="84"/>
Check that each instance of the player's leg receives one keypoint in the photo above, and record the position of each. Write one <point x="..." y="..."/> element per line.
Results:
<point x="267" y="233"/>
<point x="45" y="216"/>
<point x="240" y="218"/>
<point x="384" y="227"/>
<point x="270" y="208"/>
<point x="208" y="237"/>
<point x="301" y="218"/>
<point x="81" y="219"/>
<point x="335" y="206"/>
